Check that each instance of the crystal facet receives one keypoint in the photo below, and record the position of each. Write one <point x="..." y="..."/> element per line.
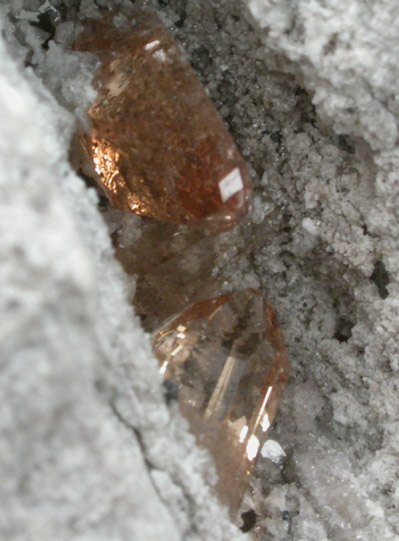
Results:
<point x="227" y="356"/>
<point x="173" y="269"/>
<point x="157" y="145"/>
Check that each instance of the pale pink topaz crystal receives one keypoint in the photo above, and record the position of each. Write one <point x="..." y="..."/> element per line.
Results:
<point x="157" y="144"/>
<point x="228" y="359"/>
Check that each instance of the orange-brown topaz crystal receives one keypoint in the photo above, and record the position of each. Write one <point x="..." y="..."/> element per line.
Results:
<point x="157" y="145"/>
<point x="173" y="269"/>
<point x="228" y="358"/>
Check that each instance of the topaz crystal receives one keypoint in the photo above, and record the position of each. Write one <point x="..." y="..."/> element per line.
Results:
<point x="157" y="144"/>
<point x="228" y="359"/>
<point x="173" y="267"/>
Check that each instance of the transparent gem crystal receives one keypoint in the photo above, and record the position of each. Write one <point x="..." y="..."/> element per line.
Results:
<point x="157" y="146"/>
<point x="228" y="358"/>
<point x="173" y="267"/>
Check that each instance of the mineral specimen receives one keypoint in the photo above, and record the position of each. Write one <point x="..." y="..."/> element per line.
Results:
<point x="157" y="145"/>
<point x="173" y="267"/>
<point x="228" y="359"/>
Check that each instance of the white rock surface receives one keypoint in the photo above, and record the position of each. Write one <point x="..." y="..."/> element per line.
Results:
<point x="88" y="448"/>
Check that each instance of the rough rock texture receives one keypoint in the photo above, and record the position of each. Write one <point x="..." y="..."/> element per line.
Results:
<point x="343" y="198"/>
<point x="89" y="449"/>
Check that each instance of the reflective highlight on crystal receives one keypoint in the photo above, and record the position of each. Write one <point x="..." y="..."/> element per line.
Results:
<point x="157" y="145"/>
<point x="228" y="357"/>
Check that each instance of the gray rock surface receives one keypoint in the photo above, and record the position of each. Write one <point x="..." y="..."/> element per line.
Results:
<point x="89" y="449"/>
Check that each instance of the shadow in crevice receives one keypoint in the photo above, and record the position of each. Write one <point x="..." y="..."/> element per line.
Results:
<point x="249" y="520"/>
<point x="344" y="329"/>
<point x="380" y="277"/>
